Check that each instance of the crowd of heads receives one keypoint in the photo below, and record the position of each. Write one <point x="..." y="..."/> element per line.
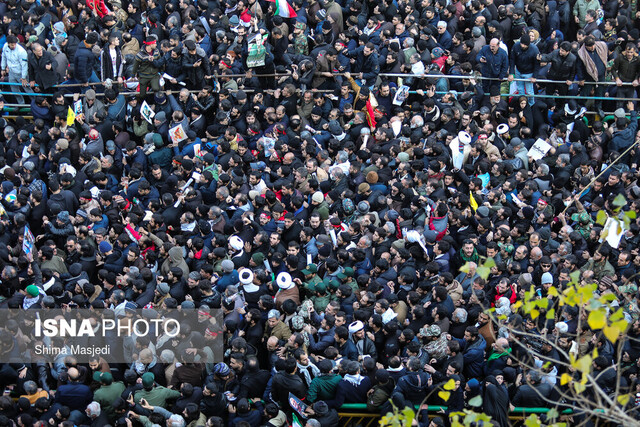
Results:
<point x="355" y="198"/>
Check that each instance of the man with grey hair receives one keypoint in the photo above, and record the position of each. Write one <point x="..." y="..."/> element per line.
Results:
<point x="444" y="38"/>
<point x="459" y="315"/>
<point x="95" y="414"/>
<point x="175" y="420"/>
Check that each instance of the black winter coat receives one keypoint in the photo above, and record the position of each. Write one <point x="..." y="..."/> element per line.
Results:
<point x="38" y="70"/>
<point x="561" y="68"/>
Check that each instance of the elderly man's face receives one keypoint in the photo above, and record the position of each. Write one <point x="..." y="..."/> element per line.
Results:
<point x="494" y="46"/>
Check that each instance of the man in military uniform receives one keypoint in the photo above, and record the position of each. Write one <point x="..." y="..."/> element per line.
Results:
<point x="436" y="342"/>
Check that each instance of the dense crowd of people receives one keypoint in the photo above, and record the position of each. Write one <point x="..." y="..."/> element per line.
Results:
<point x="334" y="178"/>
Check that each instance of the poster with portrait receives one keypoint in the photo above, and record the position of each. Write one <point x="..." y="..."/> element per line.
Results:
<point x="177" y="134"/>
<point x="146" y="112"/>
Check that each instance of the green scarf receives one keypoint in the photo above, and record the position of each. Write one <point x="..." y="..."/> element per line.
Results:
<point x="495" y="356"/>
<point x="473" y="258"/>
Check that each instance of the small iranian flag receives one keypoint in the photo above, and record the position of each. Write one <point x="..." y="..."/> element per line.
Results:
<point x="284" y="9"/>
<point x="296" y="422"/>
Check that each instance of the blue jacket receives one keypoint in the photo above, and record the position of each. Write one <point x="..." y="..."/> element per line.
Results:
<point x="413" y="386"/>
<point x="83" y="64"/>
<point x="473" y="356"/>
<point x="325" y="339"/>
<point x="117" y="111"/>
<point x="497" y="65"/>
<point x="623" y="139"/>
<point x="525" y="60"/>
<point x="445" y="40"/>
<point x="75" y="396"/>
<point x="227" y="280"/>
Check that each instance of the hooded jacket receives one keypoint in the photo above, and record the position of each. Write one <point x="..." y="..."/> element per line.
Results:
<point x="473" y="356"/>
<point x="84" y="62"/>
<point x="176" y="259"/>
<point x="413" y="386"/>
<point x="623" y="139"/>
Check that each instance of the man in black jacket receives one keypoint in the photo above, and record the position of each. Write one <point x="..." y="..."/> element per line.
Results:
<point x="286" y="381"/>
<point x="253" y="380"/>
<point x="563" y="67"/>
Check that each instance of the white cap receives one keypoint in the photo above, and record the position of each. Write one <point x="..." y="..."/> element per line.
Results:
<point x="355" y="327"/>
<point x="562" y="327"/>
<point x="503" y="128"/>
<point x="464" y="137"/>
<point x="236" y="243"/>
<point x="246" y="276"/>
<point x="284" y="281"/>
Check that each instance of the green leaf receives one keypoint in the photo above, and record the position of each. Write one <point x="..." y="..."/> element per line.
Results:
<point x="552" y="291"/>
<point x="532" y="421"/>
<point x="543" y="303"/>
<point x="601" y="218"/>
<point x="575" y="277"/>
<point x="619" y="201"/>
<point x="483" y="272"/>
<point x="476" y="401"/>
<point x="552" y="414"/>
<point x="597" y="319"/>
<point x="490" y="262"/>
<point x="605" y="298"/>
<point x="551" y="314"/>
<point x="631" y="214"/>
<point x="408" y="415"/>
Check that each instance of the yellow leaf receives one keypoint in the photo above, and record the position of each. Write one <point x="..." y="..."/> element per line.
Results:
<point x="551" y="314"/>
<point x="623" y="399"/>
<point x="584" y="363"/>
<point x="444" y="395"/>
<point x="517" y="305"/>
<point x="611" y="332"/>
<point x="619" y="314"/>
<point x="621" y="324"/>
<point x="465" y="268"/>
<point x="450" y="385"/>
<point x="534" y="314"/>
<point x="552" y="291"/>
<point x="597" y="319"/>
<point x="565" y="378"/>
<point x="580" y="388"/>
